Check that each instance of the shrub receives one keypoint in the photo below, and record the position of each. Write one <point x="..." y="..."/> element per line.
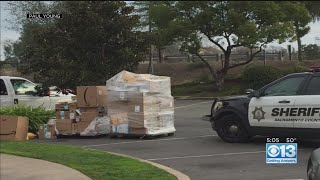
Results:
<point x="295" y="69"/>
<point x="258" y="76"/>
<point x="37" y="116"/>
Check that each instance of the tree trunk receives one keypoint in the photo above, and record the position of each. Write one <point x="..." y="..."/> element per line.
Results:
<point x="159" y="55"/>
<point x="150" y="58"/>
<point x="219" y="80"/>
<point x="150" y="61"/>
<point x="299" y="49"/>
<point x="220" y="75"/>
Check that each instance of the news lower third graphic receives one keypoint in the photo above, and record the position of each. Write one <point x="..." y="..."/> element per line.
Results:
<point x="44" y="16"/>
<point x="281" y="153"/>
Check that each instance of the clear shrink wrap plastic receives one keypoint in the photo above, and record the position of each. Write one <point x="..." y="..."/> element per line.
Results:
<point x="146" y="99"/>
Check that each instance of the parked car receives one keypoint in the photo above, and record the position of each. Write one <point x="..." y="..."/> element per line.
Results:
<point x="289" y="106"/>
<point x="313" y="169"/>
<point x="17" y="90"/>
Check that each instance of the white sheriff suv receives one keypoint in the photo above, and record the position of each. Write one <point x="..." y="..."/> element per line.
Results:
<point x="17" y="90"/>
<point x="287" y="107"/>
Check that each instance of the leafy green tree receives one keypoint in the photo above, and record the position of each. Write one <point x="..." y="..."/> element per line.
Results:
<point x="300" y="18"/>
<point x="162" y="34"/>
<point x="92" y="42"/>
<point x="227" y="25"/>
<point x="311" y="52"/>
<point x="313" y="8"/>
<point x="151" y="18"/>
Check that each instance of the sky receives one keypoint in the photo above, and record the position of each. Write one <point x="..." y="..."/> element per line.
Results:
<point x="6" y="34"/>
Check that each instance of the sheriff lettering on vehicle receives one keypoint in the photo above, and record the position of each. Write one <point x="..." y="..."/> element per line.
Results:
<point x="289" y="106"/>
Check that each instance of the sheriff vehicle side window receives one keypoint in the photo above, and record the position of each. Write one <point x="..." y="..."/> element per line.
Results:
<point x="22" y="87"/>
<point x="314" y="86"/>
<point x="3" y="88"/>
<point x="286" y="87"/>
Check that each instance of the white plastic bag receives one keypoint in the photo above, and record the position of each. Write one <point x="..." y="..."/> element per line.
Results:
<point x="99" y="126"/>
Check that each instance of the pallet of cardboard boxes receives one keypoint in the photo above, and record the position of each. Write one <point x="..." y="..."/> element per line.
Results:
<point x="140" y="104"/>
<point x="130" y="104"/>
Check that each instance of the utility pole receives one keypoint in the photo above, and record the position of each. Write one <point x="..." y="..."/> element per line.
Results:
<point x="265" y="57"/>
<point x="289" y="50"/>
<point x="151" y="60"/>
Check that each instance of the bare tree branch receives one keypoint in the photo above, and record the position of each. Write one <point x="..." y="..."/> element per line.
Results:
<point x="214" y="42"/>
<point x="207" y="64"/>
<point x="248" y="61"/>
<point x="228" y="40"/>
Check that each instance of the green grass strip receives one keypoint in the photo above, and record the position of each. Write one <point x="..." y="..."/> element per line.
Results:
<point x="95" y="164"/>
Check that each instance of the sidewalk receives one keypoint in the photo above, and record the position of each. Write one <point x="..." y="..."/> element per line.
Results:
<point x="16" y="168"/>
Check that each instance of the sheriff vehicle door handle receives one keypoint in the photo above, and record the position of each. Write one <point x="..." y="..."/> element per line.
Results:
<point x="284" y="102"/>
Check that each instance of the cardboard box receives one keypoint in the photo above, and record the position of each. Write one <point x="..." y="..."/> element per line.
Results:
<point x="47" y="131"/>
<point x="143" y="102"/>
<point x="142" y="120"/>
<point x="71" y="114"/>
<point x="88" y="116"/>
<point x="138" y="131"/>
<point x="64" y="126"/>
<point x="166" y="119"/>
<point x="74" y="128"/>
<point x="121" y="128"/>
<point x="92" y="96"/>
<point x="118" y="95"/>
<point x="166" y="103"/>
<point x="118" y="119"/>
<point x="13" y="127"/>
<point x="82" y="125"/>
<point x="119" y="123"/>
<point x="66" y="105"/>
<point x="100" y="109"/>
<point x="88" y="109"/>
<point x="117" y="107"/>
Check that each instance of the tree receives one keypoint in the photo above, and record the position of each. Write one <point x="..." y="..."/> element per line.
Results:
<point x="227" y="25"/>
<point x="311" y="52"/>
<point x="151" y="18"/>
<point x="92" y="42"/>
<point x="160" y="16"/>
<point x="313" y="8"/>
<point x="300" y="18"/>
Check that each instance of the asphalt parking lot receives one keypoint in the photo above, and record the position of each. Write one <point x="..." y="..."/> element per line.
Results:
<point x="198" y="152"/>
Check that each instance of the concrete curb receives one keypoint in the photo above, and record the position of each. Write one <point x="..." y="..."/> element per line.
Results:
<point x="179" y="175"/>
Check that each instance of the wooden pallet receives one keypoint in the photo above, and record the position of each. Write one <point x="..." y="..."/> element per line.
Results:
<point x="78" y="136"/>
<point x="139" y="136"/>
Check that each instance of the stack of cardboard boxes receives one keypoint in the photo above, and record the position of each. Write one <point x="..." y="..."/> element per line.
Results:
<point x="92" y="103"/>
<point x="143" y="102"/>
<point x="66" y="117"/>
<point x="135" y="103"/>
<point x="73" y="117"/>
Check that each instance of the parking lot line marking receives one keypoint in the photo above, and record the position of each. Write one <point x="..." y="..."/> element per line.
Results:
<point x="212" y="155"/>
<point x="207" y="155"/>
<point x="140" y="141"/>
<point x="192" y="104"/>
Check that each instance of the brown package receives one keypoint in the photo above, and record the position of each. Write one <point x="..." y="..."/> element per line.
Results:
<point x="64" y="126"/>
<point x="13" y="127"/>
<point x="67" y="105"/>
<point x="88" y="116"/>
<point x="71" y="114"/>
<point x="45" y="128"/>
<point x="92" y="96"/>
<point x="82" y="125"/>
